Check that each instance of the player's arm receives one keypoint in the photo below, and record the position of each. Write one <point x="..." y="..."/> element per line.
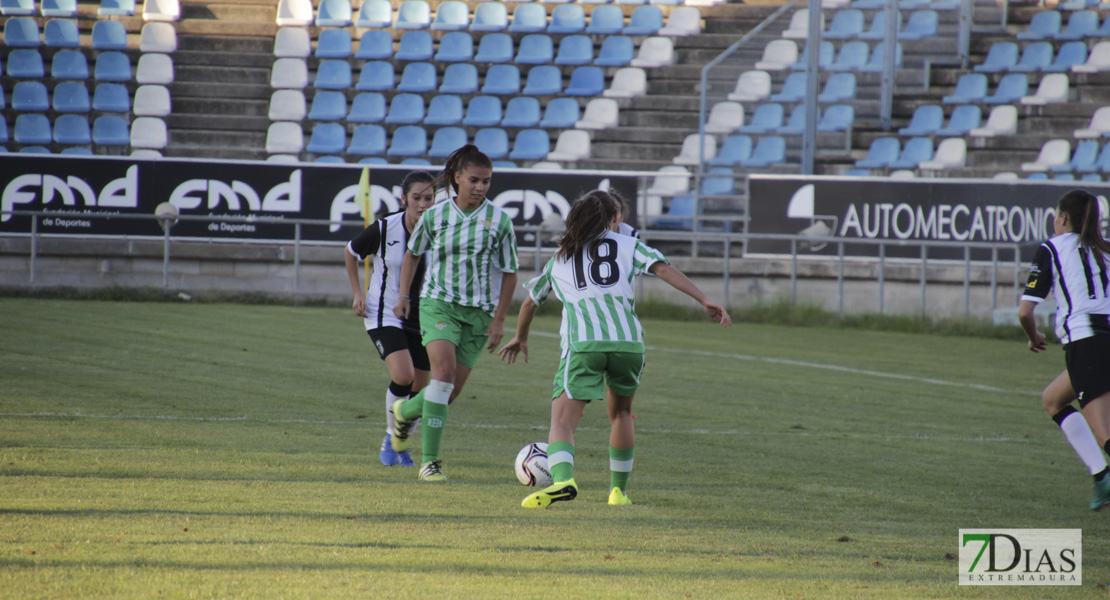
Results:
<point x="679" y="281"/>
<point x="1029" y="325"/>
<point x="408" y="271"/>
<point x="519" y="343"/>
<point x="1036" y="290"/>
<point x="351" y="261"/>
<point x="496" y="329"/>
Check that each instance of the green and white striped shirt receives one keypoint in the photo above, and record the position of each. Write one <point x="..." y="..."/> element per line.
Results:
<point x="595" y="286"/>
<point x="467" y="253"/>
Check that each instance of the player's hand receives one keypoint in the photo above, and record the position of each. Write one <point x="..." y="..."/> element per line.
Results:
<point x="359" y="305"/>
<point x="401" y="309"/>
<point x="1037" y="343"/>
<point x="717" y="313"/>
<point x="495" y="333"/>
<point x="515" y="347"/>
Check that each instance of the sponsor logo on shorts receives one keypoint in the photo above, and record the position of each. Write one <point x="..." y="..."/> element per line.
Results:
<point x="381" y="347"/>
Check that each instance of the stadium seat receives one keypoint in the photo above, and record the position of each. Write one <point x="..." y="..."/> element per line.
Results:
<point x="921" y="25"/>
<point x="333" y="43"/>
<point x="30" y="96"/>
<point x="736" y="149"/>
<point x="606" y="19"/>
<point x="106" y="35"/>
<point x="765" y="119"/>
<point x="446" y="140"/>
<point x="71" y="97"/>
<point x="111" y="97"/>
<point x="408" y="141"/>
<point x="645" y="20"/>
<point x="752" y="86"/>
<point x="483" y="111"/>
<point x="839" y="88"/>
<point x="493" y="142"/>
<point x="460" y="78"/>
<point x="72" y="130"/>
<point x="571" y="145"/>
<point x="1044" y="25"/>
<point x="768" y="151"/>
<point x="61" y="33"/>
<point x="111" y="130"/>
<point x="586" y="81"/>
<point x="415" y="46"/>
<point x="567" y="19"/>
<point x="793" y="89"/>
<point x="22" y="32"/>
<point x="1083" y="157"/>
<point x="796" y="124"/>
<point x="1102" y="163"/>
<point x="971" y="88"/>
<point x="116" y="8"/>
<point x="1001" y="121"/>
<point x="877" y="62"/>
<point x="444" y="110"/>
<point x="332" y="75"/>
<point x="376" y="76"/>
<point x="490" y="16"/>
<point x="689" y="153"/>
<point x="522" y="111"/>
<point x="154" y="69"/>
<point x="798" y="29"/>
<point x="452" y="15"/>
<point x="1098" y="127"/>
<point x="24" y="63"/>
<point x="494" y="48"/>
<point x="725" y="117"/>
<point x="845" y="25"/>
<point x="628" y="82"/>
<point x="292" y="42"/>
<point x="531" y="144"/>
<point x="1001" y="57"/>
<point x="405" y="109"/>
<point x="838" y="117"/>
<point x="367" y="107"/>
<point x="916" y="151"/>
<point x="158" y="37"/>
<point x="3" y="103"/>
<point x="535" y="49"/>
<point x="1052" y="153"/>
<point x="375" y="45"/>
<point x="455" y="46"/>
<point x="656" y="52"/>
<point x="824" y="58"/>
<point x="367" y="140"/>
<point x="965" y="118"/>
<point x="327" y="138"/>
<point x="720" y="182"/>
<point x="114" y="67"/>
<point x="1097" y="61"/>
<point x="1011" y="88"/>
<point x="161" y="10"/>
<point x="616" y="51"/>
<point x="32" y="128"/>
<point x="34" y="150"/>
<point x="600" y="113"/>
<point x="326" y="106"/>
<point x="59" y="8"/>
<point x="778" y="55"/>
<point x="1081" y="24"/>
<point x="1070" y="55"/>
<point x="413" y="14"/>
<point x="283" y="159"/>
<point x="330" y="160"/>
<point x="149" y="132"/>
<point x="543" y="80"/>
<point x="560" y="113"/>
<point x="1053" y="89"/>
<point x="376" y="14"/>
<point x="69" y="64"/>
<point x="1035" y="57"/>
<point x="882" y="152"/>
<point x="877" y="30"/>
<point x="669" y="181"/>
<point x="951" y="153"/>
<point x="926" y="120"/>
<point x="575" y="50"/>
<point x="678" y="216"/>
<point x="853" y="55"/>
<point x="418" y="78"/>
<point x="529" y="18"/>
<point x="683" y="21"/>
<point x="287" y="105"/>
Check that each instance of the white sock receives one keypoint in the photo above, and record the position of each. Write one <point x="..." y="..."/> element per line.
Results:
<point x="389" y="400"/>
<point x="1079" y="435"/>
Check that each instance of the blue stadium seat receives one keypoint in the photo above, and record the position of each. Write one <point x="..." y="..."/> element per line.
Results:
<point x="111" y="97"/>
<point x="444" y="110"/>
<point x="417" y="162"/>
<point x="327" y="138"/>
<point x="452" y="15"/>
<point x="483" y="111"/>
<point x="645" y="20"/>
<point x="3" y="103"/>
<point x="544" y="80"/>
<point x="116" y="8"/>
<point x="32" y="128"/>
<point x="109" y="35"/>
<point x="535" y="49"/>
<point x="882" y="152"/>
<point x="494" y="48"/>
<point x="69" y="64"/>
<point x="112" y="66"/>
<point x="61" y="33"/>
<point x="72" y="130"/>
<point x="586" y="81"/>
<point x="531" y="144"/>
<point x="838" y="117"/>
<point x="852" y="56"/>
<point x="460" y="78"/>
<point x="21" y="32"/>
<point x="490" y="16"/>
<point x="504" y="164"/>
<point x="926" y="120"/>
<point x="765" y="119"/>
<point x="1036" y="57"/>
<point x="456" y="46"/>
<point x="333" y="43"/>
<point x="334" y="13"/>
<point x="502" y="80"/>
<point x="367" y="140"/>
<point x="328" y="106"/>
<point x="333" y="75"/>
<point x="529" y="18"/>
<point x="606" y="19"/>
<point x="965" y="118"/>
<point x="1011" y="88"/>
<point x="367" y="107"/>
<point x="30" y="96"/>
<point x="793" y="89"/>
<point x="616" y="51"/>
<point x="1081" y="24"/>
<point x="575" y="50"/>
<point x="413" y="14"/>
<point x="1044" y="25"/>
<point x="1001" y="57"/>
<point x="111" y="130"/>
<point x="17" y="7"/>
<point x="76" y="150"/>
<point x="561" y="113"/>
<point x="877" y="30"/>
<point x="846" y="24"/>
<point x="328" y="159"/>
<point x="376" y="14"/>
<point x="1083" y="158"/>
<point x="722" y="185"/>
<point x="971" y="88"/>
<point x="916" y="151"/>
<point x="377" y="160"/>
<point x="415" y="45"/>
<point x="409" y="140"/>
<point x="493" y="142"/>
<point x="376" y="76"/>
<point x="446" y="140"/>
<point x="678" y="216"/>
<point x="796" y="124"/>
<point x="522" y="111"/>
<point x="920" y="26"/>
<point x="418" y="77"/>
<point x="877" y="62"/>
<point x="71" y="97"/>
<point x="839" y="87"/>
<point x="567" y="18"/>
<point x="1102" y="163"/>
<point x="824" y="58"/>
<point x="25" y="63"/>
<point x="735" y="149"/>
<point x="1070" y="54"/>
<point x="375" y="45"/>
<point x="405" y="109"/>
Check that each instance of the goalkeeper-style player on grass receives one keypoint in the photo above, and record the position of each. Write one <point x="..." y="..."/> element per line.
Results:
<point x="602" y="339"/>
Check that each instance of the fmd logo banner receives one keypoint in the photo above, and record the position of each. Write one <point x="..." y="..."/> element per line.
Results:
<point x="1021" y="557"/>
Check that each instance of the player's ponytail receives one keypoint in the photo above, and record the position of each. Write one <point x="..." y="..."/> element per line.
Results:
<point x="467" y="156"/>
<point x="1082" y="210"/>
<point x="588" y="218"/>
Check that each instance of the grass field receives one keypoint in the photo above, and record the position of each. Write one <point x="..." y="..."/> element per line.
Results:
<point x="224" y="451"/>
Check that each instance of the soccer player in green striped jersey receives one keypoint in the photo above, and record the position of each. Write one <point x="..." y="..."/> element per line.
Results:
<point x="468" y="284"/>
<point x="602" y="339"/>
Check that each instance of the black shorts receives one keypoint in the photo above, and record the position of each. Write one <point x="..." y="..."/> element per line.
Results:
<point x="1088" y="362"/>
<point x="394" y="339"/>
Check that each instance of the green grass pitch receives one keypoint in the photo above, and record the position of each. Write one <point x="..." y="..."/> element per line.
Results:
<point x="230" y="451"/>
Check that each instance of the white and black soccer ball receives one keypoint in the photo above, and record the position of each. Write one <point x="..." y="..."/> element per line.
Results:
<point x="531" y="465"/>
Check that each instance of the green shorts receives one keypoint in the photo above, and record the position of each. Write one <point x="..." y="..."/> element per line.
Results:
<point x="463" y="326"/>
<point x="584" y="375"/>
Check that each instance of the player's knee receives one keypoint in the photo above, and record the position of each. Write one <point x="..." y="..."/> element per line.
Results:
<point x="1053" y="402"/>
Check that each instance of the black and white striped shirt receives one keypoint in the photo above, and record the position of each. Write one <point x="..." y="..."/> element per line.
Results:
<point x="1080" y="284"/>
<point x="385" y="242"/>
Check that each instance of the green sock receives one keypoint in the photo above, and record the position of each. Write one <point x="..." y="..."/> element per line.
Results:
<point x="620" y="467"/>
<point x="413" y="407"/>
<point x="560" y="459"/>
<point x="436" y="396"/>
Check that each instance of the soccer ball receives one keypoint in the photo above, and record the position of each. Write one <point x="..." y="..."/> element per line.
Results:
<point x="531" y="465"/>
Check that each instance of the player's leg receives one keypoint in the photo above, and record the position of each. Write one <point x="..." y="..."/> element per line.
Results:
<point x="418" y="355"/>
<point x="1088" y="362"/>
<point x="1057" y="399"/>
<point x="441" y="334"/>
<point x="623" y="372"/>
<point x="401" y="375"/>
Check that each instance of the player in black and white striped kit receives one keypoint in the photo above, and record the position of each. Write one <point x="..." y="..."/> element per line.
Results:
<point x="1073" y="265"/>
<point x="398" y="341"/>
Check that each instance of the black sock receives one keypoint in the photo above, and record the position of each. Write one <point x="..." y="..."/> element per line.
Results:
<point x="401" y="391"/>
<point x="1102" y="474"/>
